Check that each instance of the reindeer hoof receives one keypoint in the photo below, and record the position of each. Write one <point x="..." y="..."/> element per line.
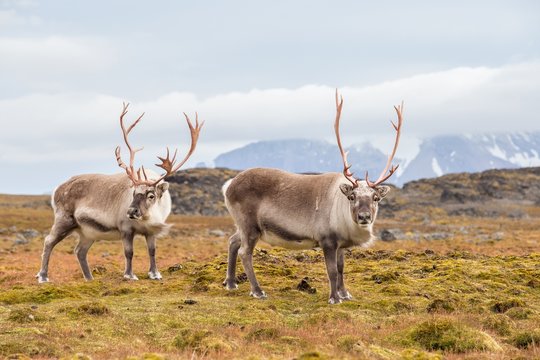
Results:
<point x="132" y="277"/>
<point x="345" y="296"/>
<point x="333" y="301"/>
<point x="258" y="295"/>
<point x="230" y="285"/>
<point x="154" y="275"/>
<point x="42" y="279"/>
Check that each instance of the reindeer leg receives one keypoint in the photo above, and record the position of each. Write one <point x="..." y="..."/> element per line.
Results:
<point x="62" y="227"/>
<point x="342" y="291"/>
<point x="246" y="254"/>
<point x="330" y="258"/>
<point x="81" y="250"/>
<point x="153" y="273"/>
<point x="127" y="239"/>
<point x="234" y="245"/>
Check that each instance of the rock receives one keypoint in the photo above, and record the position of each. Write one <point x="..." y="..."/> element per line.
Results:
<point x="305" y="286"/>
<point x="20" y="240"/>
<point x="12" y="229"/>
<point x="499" y="235"/>
<point x="99" y="270"/>
<point x="174" y="268"/>
<point x="390" y="234"/>
<point x="190" y="302"/>
<point x="438" y="236"/>
<point x="30" y="234"/>
<point x="217" y="233"/>
<point x="241" y="278"/>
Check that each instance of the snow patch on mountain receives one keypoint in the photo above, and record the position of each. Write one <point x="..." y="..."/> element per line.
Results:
<point x="436" y="167"/>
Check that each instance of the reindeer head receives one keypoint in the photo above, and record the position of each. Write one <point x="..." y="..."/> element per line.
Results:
<point x="364" y="196"/>
<point x="147" y="191"/>
<point x="364" y="201"/>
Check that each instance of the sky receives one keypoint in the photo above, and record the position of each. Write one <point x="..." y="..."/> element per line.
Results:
<point x="253" y="70"/>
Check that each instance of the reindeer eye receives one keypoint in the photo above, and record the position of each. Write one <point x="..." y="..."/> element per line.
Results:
<point x="151" y="196"/>
<point x="376" y="197"/>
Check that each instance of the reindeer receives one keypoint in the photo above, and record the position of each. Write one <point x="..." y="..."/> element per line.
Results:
<point x="332" y="211"/>
<point x="96" y="206"/>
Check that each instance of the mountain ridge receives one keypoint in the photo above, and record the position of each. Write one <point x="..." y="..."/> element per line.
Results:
<point x="438" y="155"/>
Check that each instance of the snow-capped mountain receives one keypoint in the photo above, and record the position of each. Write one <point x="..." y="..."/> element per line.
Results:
<point x="472" y="153"/>
<point x="437" y="155"/>
<point x="301" y="156"/>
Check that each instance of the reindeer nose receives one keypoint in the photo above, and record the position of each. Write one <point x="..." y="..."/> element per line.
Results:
<point x="364" y="217"/>
<point x="133" y="213"/>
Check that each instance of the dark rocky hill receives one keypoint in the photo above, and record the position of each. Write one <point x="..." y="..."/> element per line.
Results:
<point x="198" y="191"/>
<point x="488" y="193"/>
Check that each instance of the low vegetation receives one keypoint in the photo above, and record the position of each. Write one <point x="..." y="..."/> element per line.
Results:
<point x="469" y="295"/>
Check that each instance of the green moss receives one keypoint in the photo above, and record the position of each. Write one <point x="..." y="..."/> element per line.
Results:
<point x="312" y="355"/>
<point x="525" y="339"/>
<point x="190" y="338"/>
<point x="262" y="334"/>
<point x="447" y="335"/>
<point x="80" y="356"/>
<point x="153" y="357"/>
<point x="346" y="343"/>
<point x="118" y="292"/>
<point x="37" y="295"/>
<point x="441" y="305"/>
<point x="502" y="306"/>
<point x="24" y="315"/>
<point x="519" y="313"/>
<point x="501" y="324"/>
<point x="91" y="308"/>
<point x="413" y="354"/>
<point x="384" y="277"/>
<point x="30" y="348"/>
<point x="328" y="315"/>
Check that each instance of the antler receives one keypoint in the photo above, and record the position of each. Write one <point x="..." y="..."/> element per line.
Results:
<point x="391" y="169"/>
<point x="346" y="167"/>
<point x="167" y="164"/>
<point x="135" y="176"/>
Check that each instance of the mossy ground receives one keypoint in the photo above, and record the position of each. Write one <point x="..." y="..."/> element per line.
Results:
<point x="458" y="298"/>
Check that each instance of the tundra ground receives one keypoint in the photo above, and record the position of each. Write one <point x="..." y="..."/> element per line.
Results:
<point x="474" y="293"/>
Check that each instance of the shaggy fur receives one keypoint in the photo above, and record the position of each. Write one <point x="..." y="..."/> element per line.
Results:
<point x="299" y="212"/>
<point x="95" y="206"/>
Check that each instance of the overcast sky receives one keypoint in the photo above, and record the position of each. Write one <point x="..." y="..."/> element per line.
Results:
<point x="254" y="71"/>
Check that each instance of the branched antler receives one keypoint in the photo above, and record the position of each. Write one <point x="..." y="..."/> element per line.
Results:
<point x="391" y="169"/>
<point x="168" y="164"/>
<point x="346" y="167"/>
<point x="139" y="177"/>
<point x="135" y="176"/>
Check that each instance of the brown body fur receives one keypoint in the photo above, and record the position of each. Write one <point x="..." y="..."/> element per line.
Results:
<point x="298" y="211"/>
<point x="95" y="206"/>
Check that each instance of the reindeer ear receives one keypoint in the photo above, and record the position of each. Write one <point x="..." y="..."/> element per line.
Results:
<point x="164" y="186"/>
<point x="346" y="189"/>
<point x="382" y="190"/>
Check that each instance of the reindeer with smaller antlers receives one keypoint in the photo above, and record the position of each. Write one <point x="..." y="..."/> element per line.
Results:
<point x="97" y="206"/>
<point x="332" y="211"/>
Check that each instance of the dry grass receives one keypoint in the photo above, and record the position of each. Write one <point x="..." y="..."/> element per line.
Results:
<point x="474" y="295"/>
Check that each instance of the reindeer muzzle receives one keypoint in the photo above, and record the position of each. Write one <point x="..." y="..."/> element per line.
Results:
<point x="134" y="213"/>
<point x="364" y="218"/>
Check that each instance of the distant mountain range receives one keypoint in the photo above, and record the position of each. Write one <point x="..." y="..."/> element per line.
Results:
<point x="437" y="156"/>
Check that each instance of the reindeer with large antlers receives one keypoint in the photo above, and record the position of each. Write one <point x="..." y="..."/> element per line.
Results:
<point x="96" y="206"/>
<point x="332" y="211"/>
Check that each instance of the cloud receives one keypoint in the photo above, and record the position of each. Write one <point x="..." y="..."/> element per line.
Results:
<point x="38" y="60"/>
<point x="83" y="128"/>
<point x="9" y="18"/>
